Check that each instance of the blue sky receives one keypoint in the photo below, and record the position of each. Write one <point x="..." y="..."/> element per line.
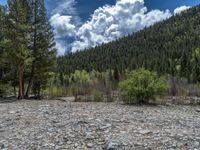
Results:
<point x="80" y="24"/>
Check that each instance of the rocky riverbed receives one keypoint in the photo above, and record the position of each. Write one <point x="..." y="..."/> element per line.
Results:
<point x="51" y="125"/>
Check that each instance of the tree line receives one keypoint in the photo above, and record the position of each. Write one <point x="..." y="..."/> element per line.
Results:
<point x="169" y="48"/>
<point x="27" y="47"/>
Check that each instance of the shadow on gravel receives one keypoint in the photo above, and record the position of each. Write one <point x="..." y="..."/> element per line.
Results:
<point x="8" y="100"/>
<point x="12" y="99"/>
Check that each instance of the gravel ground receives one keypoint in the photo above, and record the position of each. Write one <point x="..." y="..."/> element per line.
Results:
<point x="42" y="125"/>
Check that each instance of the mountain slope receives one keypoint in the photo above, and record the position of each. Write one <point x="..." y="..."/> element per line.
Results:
<point x="160" y="47"/>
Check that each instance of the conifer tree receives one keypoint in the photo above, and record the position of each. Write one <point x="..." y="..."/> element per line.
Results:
<point x="42" y="48"/>
<point x="195" y="61"/>
<point x="16" y="39"/>
<point x="1" y="49"/>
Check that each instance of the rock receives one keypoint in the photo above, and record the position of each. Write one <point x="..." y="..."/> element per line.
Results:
<point x="89" y="136"/>
<point x="106" y="126"/>
<point x="198" y="110"/>
<point x="112" y="145"/>
<point x="12" y="112"/>
<point x="196" y="144"/>
<point x="69" y="142"/>
<point x="76" y="144"/>
<point x="145" y="132"/>
<point x="89" y="145"/>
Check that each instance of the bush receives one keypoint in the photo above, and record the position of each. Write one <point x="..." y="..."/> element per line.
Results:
<point x="142" y="86"/>
<point x="4" y="90"/>
<point x="97" y="96"/>
<point x="57" y="92"/>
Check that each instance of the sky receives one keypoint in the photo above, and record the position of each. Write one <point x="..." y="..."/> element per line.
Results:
<point x="81" y="24"/>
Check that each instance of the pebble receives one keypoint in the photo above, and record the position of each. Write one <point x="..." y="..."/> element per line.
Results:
<point x="89" y="145"/>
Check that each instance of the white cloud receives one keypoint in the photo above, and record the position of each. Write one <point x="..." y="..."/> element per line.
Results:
<point x="108" y="23"/>
<point x="180" y="9"/>
<point x="61" y="46"/>
<point x="64" y="20"/>
<point x="62" y="25"/>
<point x="65" y="6"/>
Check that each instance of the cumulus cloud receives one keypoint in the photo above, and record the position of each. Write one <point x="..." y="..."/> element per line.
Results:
<point x="108" y="23"/>
<point x="180" y="9"/>
<point x="63" y="5"/>
<point x="64" y="20"/>
<point x="62" y="45"/>
<point x="62" y="25"/>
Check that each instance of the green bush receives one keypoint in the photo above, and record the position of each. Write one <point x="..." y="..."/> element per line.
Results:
<point x="57" y="92"/>
<point x="4" y="89"/>
<point x="142" y="86"/>
<point x="97" y="96"/>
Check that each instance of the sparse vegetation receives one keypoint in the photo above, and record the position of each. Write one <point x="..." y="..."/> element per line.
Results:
<point x="97" y="96"/>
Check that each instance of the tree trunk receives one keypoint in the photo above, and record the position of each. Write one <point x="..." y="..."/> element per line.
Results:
<point x="30" y="81"/>
<point x="21" y="82"/>
<point x="14" y="90"/>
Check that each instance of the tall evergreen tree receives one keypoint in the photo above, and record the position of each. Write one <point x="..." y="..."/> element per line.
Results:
<point x="195" y="61"/>
<point x="16" y="39"/>
<point x="42" y="48"/>
<point x="2" y="14"/>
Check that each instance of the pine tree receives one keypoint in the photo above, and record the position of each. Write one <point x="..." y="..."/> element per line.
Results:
<point x="195" y="61"/>
<point x="16" y="39"/>
<point x="42" y="48"/>
<point x="2" y="14"/>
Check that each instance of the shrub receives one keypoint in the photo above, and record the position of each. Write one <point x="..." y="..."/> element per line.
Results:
<point x="97" y="96"/>
<point x="141" y="86"/>
<point x="57" y="92"/>
<point x="4" y="90"/>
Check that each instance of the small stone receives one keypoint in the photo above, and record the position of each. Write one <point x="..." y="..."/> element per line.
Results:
<point x="89" y="145"/>
<point x="106" y="126"/>
<point x="145" y="132"/>
<point x="12" y="112"/>
<point x="196" y="144"/>
<point x="197" y="110"/>
<point x="76" y="144"/>
<point x="69" y="142"/>
<point x="112" y="146"/>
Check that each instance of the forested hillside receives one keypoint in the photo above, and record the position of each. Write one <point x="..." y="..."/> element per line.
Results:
<point x="166" y="47"/>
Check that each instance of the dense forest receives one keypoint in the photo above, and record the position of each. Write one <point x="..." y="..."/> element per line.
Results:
<point x="27" y="47"/>
<point x="168" y="47"/>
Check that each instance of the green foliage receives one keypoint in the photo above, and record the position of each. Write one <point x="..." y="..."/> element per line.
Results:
<point x="97" y="96"/>
<point x="57" y="92"/>
<point x="42" y="49"/>
<point x="27" y="47"/>
<point x="2" y="90"/>
<point x="80" y="77"/>
<point x="79" y="90"/>
<point x="195" y="63"/>
<point x="142" y="86"/>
